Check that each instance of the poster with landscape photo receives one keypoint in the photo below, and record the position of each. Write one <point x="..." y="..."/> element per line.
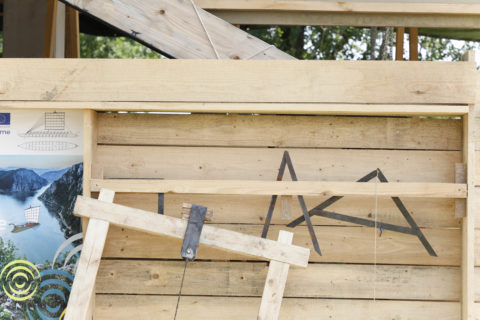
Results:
<point x="40" y="176"/>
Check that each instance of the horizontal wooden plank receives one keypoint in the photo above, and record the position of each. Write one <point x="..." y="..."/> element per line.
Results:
<point x="432" y="213"/>
<point x="312" y="188"/>
<point x="296" y="18"/>
<point x="338" y="244"/>
<point x="418" y="7"/>
<point x="262" y="164"/>
<point x="279" y="131"/>
<point x="260" y="108"/>
<point x="248" y="279"/>
<point x="237" y="81"/>
<point x="120" y="307"/>
<point x="165" y="226"/>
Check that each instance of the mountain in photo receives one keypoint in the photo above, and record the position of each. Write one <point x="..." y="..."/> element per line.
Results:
<point x="60" y="198"/>
<point x="20" y="180"/>
<point x="52" y="176"/>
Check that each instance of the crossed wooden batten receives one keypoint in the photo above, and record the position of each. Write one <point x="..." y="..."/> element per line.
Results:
<point x="103" y="212"/>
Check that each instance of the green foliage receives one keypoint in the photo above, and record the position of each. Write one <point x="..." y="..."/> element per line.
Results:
<point x="1" y="44"/>
<point x="5" y="315"/>
<point x="7" y="252"/>
<point x="120" y="47"/>
<point x="314" y="43"/>
<point x="435" y="49"/>
<point x="351" y="43"/>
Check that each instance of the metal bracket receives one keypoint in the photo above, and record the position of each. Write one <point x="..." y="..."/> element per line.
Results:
<point x="193" y="231"/>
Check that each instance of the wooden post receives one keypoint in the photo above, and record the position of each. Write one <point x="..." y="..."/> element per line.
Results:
<point x="50" y="26"/>
<point x="413" y="44"/>
<point x="89" y="148"/>
<point x="81" y="301"/>
<point x="399" y="43"/>
<point x="468" y="227"/>
<point x="72" y="34"/>
<point x="275" y="284"/>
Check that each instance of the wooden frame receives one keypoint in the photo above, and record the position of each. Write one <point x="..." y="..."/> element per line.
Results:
<point x="347" y="13"/>
<point x="102" y="213"/>
<point x="406" y="88"/>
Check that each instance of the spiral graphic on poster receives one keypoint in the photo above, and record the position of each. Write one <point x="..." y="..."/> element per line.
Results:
<point x="54" y="289"/>
<point x="20" y="280"/>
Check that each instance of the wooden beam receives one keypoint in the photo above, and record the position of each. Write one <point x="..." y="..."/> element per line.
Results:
<point x="72" y="34"/>
<point x="334" y="82"/>
<point x="179" y="29"/>
<point x="358" y="19"/>
<point x="275" y="284"/>
<point x="405" y="7"/>
<point x="320" y="188"/>
<point x="154" y="223"/>
<point x="399" y="43"/>
<point x="413" y="40"/>
<point x="80" y="300"/>
<point x="260" y="108"/>
<point x="50" y="27"/>
<point x="89" y="149"/>
<point x="127" y="307"/>
<point x="468" y="222"/>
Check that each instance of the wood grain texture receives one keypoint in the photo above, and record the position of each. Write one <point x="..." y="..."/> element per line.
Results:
<point x="259" y="108"/>
<point x="338" y="244"/>
<point x="431" y="213"/>
<point x="262" y="164"/>
<point x="237" y="81"/>
<point x="247" y="279"/>
<point x="174" y="28"/>
<point x="417" y="7"/>
<point x="312" y="188"/>
<point x="165" y="226"/>
<point x="279" y="131"/>
<point x="358" y="19"/>
<point x="81" y="301"/>
<point x="120" y="307"/>
<point x="273" y="291"/>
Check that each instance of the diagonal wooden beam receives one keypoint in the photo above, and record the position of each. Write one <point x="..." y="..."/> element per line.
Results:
<point x="157" y="224"/>
<point x="80" y="303"/>
<point x="179" y="29"/>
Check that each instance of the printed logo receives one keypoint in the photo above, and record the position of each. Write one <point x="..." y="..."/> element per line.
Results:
<point x="4" y="119"/>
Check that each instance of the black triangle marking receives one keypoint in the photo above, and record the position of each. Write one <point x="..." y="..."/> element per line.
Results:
<point x="286" y="161"/>
<point x="319" y="211"/>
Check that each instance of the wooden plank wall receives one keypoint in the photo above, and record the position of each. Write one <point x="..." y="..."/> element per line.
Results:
<point x="408" y="283"/>
<point x="477" y="192"/>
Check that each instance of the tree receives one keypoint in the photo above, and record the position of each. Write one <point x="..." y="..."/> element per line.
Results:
<point x="7" y="252"/>
<point x="109" y="47"/>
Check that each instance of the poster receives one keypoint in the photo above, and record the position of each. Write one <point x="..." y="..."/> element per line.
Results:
<point x="40" y="176"/>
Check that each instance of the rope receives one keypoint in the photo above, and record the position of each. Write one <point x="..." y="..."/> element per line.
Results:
<point x="205" y="29"/>
<point x="181" y="287"/>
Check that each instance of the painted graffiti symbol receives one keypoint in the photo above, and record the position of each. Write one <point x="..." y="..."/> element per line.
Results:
<point x="54" y="290"/>
<point x="20" y="280"/>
